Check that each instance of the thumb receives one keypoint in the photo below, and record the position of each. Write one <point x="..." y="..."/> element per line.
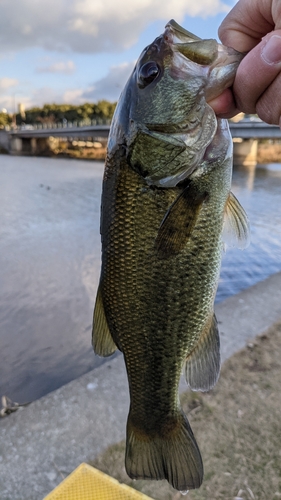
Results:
<point x="246" y="24"/>
<point x="258" y="79"/>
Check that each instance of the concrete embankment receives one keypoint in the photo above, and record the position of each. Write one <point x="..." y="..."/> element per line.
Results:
<point x="42" y="443"/>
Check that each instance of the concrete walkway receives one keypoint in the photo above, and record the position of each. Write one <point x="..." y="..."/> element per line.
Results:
<point x="44" y="442"/>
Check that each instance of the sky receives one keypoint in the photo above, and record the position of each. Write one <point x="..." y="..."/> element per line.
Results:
<point x="76" y="51"/>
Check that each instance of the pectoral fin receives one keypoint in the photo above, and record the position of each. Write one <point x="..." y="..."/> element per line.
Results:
<point x="179" y="221"/>
<point x="102" y="340"/>
<point x="203" y="364"/>
<point x="236" y="229"/>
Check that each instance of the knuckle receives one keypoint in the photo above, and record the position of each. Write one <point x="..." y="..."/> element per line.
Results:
<point x="245" y="105"/>
<point x="268" y="110"/>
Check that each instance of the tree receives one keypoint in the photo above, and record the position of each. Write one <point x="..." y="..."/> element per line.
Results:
<point x="55" y="113"/>
<point x="5" y="119"/>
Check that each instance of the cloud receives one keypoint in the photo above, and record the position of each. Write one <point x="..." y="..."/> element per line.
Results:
<point x="41" y="96"/>
<point x="8" y="89"/>
<point x="111" y="85"/>
<point x="38" y="97"/>
<point x="44" y="95"/>
<point x="90" y="26"/>
<point x="108" y="88"/>
<point x="67" y="68"/>
<point x="7" y="83"/>
<point x="73" y="96"/>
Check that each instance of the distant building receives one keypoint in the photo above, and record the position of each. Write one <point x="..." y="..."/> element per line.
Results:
<point x="22" y="110"/>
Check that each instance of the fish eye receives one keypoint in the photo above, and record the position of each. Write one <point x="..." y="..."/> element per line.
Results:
<point x="147" y="73"/>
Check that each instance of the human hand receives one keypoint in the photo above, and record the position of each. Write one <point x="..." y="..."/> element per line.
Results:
<point x="254" y="27"/>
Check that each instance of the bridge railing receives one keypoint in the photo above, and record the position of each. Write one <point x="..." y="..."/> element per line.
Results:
<point x="245" y="129"/>
<point x="60" y="125"/>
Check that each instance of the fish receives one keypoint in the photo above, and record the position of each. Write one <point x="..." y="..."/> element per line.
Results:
<point x="167" y="212"/>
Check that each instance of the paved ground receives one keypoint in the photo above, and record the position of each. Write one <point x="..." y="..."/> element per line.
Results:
<point x="44" y="442"/>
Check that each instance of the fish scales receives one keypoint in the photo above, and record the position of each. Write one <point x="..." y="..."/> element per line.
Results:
<point x="155" y="285"/>
<point x="161" y="254"/>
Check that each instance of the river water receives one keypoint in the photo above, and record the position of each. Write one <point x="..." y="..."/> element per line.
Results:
<point x="50" y="263"/>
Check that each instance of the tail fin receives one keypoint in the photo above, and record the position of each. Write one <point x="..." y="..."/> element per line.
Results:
<point x="173" y="455"/>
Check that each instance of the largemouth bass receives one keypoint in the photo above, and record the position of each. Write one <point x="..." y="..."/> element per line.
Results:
<point x="166" y="202"/>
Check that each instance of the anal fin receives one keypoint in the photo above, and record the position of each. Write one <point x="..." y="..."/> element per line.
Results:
<point x="102" y="340"/>
<point x="202" y="366"/>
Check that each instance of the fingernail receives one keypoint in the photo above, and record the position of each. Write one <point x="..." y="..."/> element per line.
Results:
<point x="271" y="52"/>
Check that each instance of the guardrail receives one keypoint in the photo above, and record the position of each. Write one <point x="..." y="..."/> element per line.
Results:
<point x="245" y="129"/>
<point x="59" y="125"/>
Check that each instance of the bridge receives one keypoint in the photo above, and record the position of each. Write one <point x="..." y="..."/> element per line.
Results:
<point x="246" y="135"/>
<point x="33" y="140"/>
<point x="244" y="129"/>
<point x="41" y="138"/>
<point x="252" y="129"/>
<point x="69" y="131"/>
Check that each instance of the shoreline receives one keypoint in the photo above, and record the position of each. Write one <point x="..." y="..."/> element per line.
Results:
<point x="47" y="440"/>
<point x="267" y="153"/>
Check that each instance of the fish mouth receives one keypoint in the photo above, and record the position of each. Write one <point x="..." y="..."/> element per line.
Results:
<point x="180" y="33"/>
<point x="205" y="52"/>
<point x="218" y="62"/>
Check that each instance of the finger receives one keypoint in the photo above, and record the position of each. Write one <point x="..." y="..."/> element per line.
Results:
<point x="256" y="74"/>
<point x="224" y="105"/>
<point x="268" y="106"/>
<point x="246" y="24"/>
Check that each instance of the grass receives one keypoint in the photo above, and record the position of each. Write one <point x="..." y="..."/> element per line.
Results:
<point x="237" y="426"/>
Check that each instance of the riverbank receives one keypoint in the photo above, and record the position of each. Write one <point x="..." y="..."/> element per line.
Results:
<point x="42" y="443"/>
<point x="267" y="152"/>
<point x="237" y="427"/>
<point x="80" y="151"/>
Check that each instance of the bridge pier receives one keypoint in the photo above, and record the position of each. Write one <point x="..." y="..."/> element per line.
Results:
<point x="22" y="145"/>
<point x="16" y="145"/>
<point x="32" y="145"/>
<point x="4" y="141"/>
<point x="245" y="152"/>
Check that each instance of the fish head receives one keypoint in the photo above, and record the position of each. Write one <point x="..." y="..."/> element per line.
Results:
<point x="163" y="113"/>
